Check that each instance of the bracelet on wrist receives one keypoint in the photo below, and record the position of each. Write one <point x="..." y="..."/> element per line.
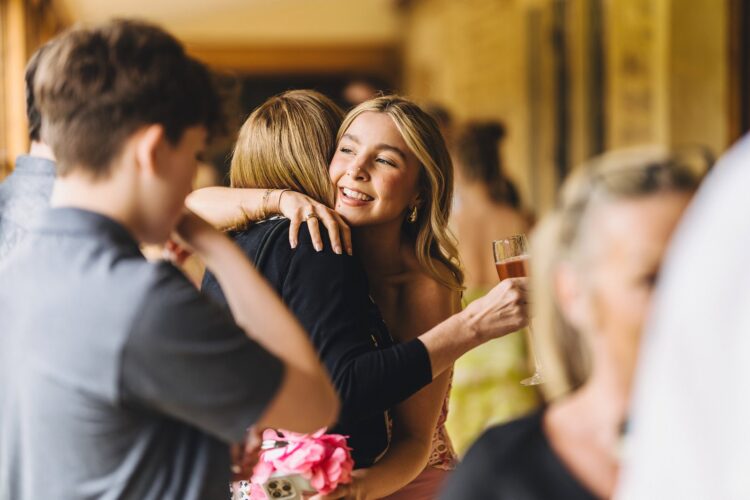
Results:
<point x="263" y="213"/>
<point x="278" y="200"/>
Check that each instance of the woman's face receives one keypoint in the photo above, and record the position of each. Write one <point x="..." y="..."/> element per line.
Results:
<point x="627" y="240"/>
<point x="374" y="172"/>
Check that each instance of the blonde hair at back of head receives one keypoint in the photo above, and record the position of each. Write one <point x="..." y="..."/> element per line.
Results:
<point x="433" y="240"/>
<point x="287" y="143"/>
<point x="564" y="236"/>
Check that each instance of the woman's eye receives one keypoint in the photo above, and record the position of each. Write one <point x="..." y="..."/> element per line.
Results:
<point x="385" y="161"/>
<point x="345" y="150"/>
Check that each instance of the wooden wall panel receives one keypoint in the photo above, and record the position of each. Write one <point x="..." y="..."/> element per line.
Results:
<point x="14" y="60"/>
<point x="475" y="58"/>
<point x="267" y="60"/>
<point x="26" y="24"/>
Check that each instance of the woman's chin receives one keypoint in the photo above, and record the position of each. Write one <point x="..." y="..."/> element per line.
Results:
<point x="366" y="215"/>
<point x="356" y="216"/>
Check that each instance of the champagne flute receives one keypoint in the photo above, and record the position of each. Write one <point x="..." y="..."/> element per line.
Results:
<point x="511" y="261"/>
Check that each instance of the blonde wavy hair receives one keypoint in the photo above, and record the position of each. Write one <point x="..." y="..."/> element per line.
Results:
<point x="564" y="236"/>
<point x="433" y="240"/>
<point x="287" y="143"/>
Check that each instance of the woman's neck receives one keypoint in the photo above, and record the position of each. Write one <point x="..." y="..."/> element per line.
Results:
<point x="598" y="410"/>
<point x="585" y="429"/>
<point x="475" y="192"/>
<point x="379" y="247"/>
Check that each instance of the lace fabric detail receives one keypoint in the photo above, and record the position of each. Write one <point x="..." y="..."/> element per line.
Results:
<point x="240" y="490"/>
<point x="442" y="455"/>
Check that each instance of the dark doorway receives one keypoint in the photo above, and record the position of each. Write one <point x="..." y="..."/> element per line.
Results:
<point x="739" y="68"/>
<point x="252" y="90"/>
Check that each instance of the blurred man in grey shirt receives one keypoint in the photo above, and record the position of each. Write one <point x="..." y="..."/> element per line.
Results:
<point x="118" y="378"/>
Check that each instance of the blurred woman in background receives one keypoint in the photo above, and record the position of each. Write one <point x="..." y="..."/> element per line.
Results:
<point x="595" y="262"/>
<point x="489" y="205"/>
<point x="486" y="384"/>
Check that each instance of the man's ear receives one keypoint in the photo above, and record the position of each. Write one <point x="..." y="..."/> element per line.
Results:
<point x="149" y="149"/>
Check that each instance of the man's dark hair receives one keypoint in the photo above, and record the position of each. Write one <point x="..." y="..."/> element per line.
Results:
<point x="96" y="86"/>
<point x="32" y="113"/>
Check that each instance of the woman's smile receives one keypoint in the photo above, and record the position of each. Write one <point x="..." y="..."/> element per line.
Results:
<point x="353" y="197"/>
<point x="375" y="172"/>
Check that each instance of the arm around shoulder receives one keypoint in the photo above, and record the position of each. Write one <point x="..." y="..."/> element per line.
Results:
<point x="223" y="207"/>
<point x="306" y="399"/>
<point x="415" y="420"/>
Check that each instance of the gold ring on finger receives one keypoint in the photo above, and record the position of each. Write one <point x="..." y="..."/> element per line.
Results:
<point x="310" y="215"/>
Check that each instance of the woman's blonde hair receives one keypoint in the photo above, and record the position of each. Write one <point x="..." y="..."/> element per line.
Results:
<point x="287" y="143"/>
<point x="564" y="236"/>
<point x="433" y="240"/>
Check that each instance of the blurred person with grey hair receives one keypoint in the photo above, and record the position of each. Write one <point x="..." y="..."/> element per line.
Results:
<point x="595" y="261"/>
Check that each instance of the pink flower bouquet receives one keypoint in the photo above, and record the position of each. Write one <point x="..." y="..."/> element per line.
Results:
<point x="323" y="460"/>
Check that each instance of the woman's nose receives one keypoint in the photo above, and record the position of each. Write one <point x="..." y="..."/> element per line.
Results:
<point x="356" y="171"/>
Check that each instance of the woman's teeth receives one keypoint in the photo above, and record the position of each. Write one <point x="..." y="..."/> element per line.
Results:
<point x="350" y="193"/>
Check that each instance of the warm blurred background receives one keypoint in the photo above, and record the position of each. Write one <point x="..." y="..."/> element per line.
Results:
<point x="567" y="78"/>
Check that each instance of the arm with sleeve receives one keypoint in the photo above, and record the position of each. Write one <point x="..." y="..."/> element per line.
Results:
<point x="186" y="358"/>
<point x="329" y="295"/>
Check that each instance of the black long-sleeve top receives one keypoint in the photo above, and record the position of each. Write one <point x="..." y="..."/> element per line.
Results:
<point x="329" y="295"/>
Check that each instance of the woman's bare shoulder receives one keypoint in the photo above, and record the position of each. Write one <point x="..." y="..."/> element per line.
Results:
<point x="424" y="293"/>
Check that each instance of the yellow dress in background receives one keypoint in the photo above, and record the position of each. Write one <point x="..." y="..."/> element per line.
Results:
<point x="487" y="386"/>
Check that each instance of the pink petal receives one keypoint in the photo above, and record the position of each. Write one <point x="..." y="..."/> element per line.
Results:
<point x="256" y="492"/>
<point x="320" y="433"/>
<point x="318" y="481"/>
<point x="270" y="434"/>
<point x="261" y="472"/>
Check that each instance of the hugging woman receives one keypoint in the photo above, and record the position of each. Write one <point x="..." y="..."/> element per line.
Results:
<point x="390" y="177"/>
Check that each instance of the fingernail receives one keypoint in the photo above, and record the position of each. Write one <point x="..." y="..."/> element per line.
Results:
<point x="337" y="249"/>
<point x="293" y="243"/>
<point x="349" y="250"/>
<point x="318" y="247"/>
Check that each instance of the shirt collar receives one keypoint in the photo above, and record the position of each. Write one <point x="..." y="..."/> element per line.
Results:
<point x="72" y="220"/>
<point x="35" y="165"/>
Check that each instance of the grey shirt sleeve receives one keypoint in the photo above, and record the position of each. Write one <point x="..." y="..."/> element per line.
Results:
<point x="186" y="358"/>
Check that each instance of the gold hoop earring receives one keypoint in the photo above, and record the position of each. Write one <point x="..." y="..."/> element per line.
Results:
<point x="413" y="215"/>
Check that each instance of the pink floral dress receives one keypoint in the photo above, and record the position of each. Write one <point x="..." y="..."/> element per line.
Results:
<point x="442" y="460"/>
<point x="442" y="456"/>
